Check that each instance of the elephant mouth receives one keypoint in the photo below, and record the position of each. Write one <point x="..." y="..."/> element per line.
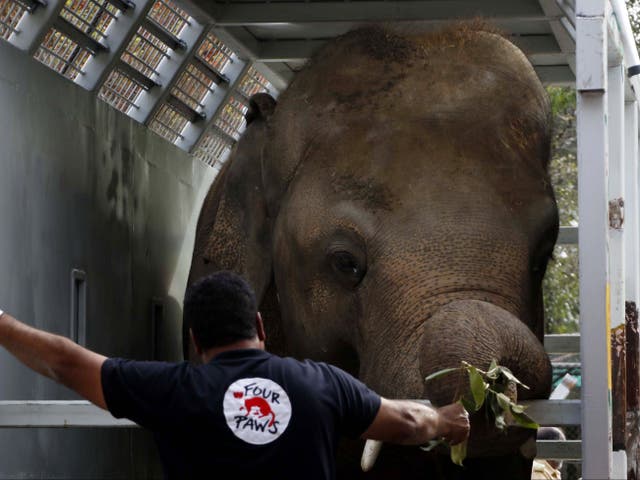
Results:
<point x="478" y="333"/>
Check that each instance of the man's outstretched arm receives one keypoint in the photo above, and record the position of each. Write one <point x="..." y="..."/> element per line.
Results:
<point x="412" y="423"/>
<point x="55" y="357"/>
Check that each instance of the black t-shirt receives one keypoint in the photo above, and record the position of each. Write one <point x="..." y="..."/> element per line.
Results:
<point x="245" y="414"/>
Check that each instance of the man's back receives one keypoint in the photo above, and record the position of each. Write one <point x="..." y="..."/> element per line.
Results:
<point x="246" y="412"/>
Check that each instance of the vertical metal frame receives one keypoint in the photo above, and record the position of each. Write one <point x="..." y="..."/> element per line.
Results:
<point x="632" y="210"/>
<point x="615" y="123"/>
<point x="78" y="310"/>
<point x="593" y="196"/>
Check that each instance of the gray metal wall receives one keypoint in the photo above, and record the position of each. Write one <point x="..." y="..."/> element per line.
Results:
<point x="82" y="186"/>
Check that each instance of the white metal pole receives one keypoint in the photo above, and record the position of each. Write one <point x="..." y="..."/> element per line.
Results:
<point x="615" y="123"/>
<point x="631" y="206"/>
<point x="591" y="84"/>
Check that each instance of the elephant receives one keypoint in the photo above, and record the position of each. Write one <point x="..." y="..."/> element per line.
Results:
<point x="394" y="214"/>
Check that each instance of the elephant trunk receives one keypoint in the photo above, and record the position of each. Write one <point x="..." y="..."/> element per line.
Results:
<point x="478" y="332"/>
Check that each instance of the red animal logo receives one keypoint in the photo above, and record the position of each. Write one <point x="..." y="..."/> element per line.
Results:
<point x="262" y="408"/>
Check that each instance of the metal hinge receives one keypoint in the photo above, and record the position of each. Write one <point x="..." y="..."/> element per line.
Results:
<point x="616" y="213"/>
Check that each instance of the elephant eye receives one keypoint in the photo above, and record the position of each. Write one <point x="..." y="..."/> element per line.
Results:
<point x="347" y="267"/>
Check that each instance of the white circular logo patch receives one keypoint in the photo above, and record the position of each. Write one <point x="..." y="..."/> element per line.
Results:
<point x="257" y="410"/>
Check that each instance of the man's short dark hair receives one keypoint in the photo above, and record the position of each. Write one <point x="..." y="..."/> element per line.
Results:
<point x="221" y="309"/>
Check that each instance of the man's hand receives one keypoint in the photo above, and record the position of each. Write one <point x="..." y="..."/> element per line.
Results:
<point x="453" y="423"/>
<point x="412" y="423"/>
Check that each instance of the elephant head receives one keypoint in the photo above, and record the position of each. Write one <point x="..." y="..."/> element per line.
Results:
<point x="396" y="210"/>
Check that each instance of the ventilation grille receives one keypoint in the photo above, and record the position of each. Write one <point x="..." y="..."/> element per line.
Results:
<point x="214" y="149"/>
<point x="253" y="83"/>
<point x="91" y="17"/>
<point x="169" y="123"/>
<point x="11" y="13"/>
<point x="62" y="54"/>
<point x="120" y="91"/>
<point x="186" y="100"/>
<point x="192" y="87"/>
<point x="231" y="118"/>
<point x="215" y="54"/>
<point x="170" y="17"/>
<point x="217" y="142"/>
<point x="189" y="94"/>
<point x="145" y="52"/>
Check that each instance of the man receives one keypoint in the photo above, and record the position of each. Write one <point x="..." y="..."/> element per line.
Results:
<point x="547" y="469"/>
<point x="243" y="412"/>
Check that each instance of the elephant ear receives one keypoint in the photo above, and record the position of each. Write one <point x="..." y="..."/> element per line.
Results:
<point x="234" y="229"/>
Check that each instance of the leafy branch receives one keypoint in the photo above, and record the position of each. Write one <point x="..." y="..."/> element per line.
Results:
<point x="495" y="388"/>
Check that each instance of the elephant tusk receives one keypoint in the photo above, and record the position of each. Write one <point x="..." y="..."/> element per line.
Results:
<point x="370" y="454"/>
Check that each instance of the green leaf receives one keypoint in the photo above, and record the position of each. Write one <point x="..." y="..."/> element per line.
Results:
<point x="511" y="377"/>
<point x="493" y="371"/>
<point x="441" y="373"/>
<point x="468" y="405"/>
<point x="478" y="388"/>
<point x="459" y="453"/>
<point x="523" y="420"/>
<point x="504" y="401"/>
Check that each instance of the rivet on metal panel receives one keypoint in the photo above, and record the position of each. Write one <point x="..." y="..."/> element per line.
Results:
<point x="616" y="213"/>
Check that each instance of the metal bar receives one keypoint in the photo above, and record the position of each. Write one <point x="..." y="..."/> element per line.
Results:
<point x="79" y="18"/>
<point x="300" y="50"/>
<point x="168" y="127"/>
<point x="217" y="100"/>
<point x="171" y="69"/>
<point x="67" y="63"/>
<point x="591" y="83"/>
<point x="631" y="204"/>
<point x="120" y="34"/>
<point x="554" y="412"/>
<point x="225" y="136"/>
<point x="562" y="29"/>
<point x="555" y="75"/>
<point x="151" y="44"/>
<point x="216" y="76"/>
<point x="195" y="77"/>
<point x="562" y="343"/>
<point x="188" y="112"/>
<point x="134" y="74"/>
<point x="144" y="64"/>
<point x="7" y="26"/>
<point x="568" y="235"/>
<point x="33" y="32"/>
<point x="125" y="99"/>
<point x="57" y="414"/>
<point x="165" y="37"/>
<point x="615" y="124"/>
<point x="560" y="450"/>
<point x="83" y="40"/>
<point x="179" y="14"/>
<point x="241" y="41"/>
<point x="240" y="14"/>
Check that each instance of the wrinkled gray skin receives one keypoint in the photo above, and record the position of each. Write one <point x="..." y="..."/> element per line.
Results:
<point x="397" y="202"/>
